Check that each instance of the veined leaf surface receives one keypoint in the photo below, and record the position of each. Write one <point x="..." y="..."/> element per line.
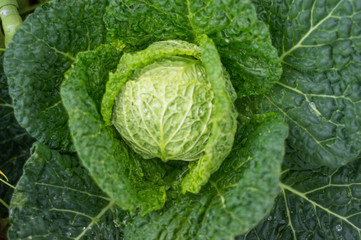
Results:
<point x="315" y="204"/>
<point x="57" y="199"/>
<point x="319" y="93"/>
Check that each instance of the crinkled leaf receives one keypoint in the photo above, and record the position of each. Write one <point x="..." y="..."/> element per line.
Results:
<point x="14" y="143"/>
<point x="116" y="170"/>
<point x="237" y="197"/>
<point x="140" y="23"/>
<point x="315" y="204"/>
<point x="57" y="199"/>
<point x="243" y="41"/>
<point x="38" y="56"/>
<point x="319" y="93"/>
<point x="223" y="118"/>
<point x="131" y="61"/>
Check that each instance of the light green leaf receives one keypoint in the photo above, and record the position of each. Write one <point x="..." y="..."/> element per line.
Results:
<point x="57" y="199"/>
<point x="315" y="204"/>
<point x="131" y="61"/>
<point x="319" y="93"/>
<point x="223" y="118"/>
<point x="147" y="137"/>
<point x="38" y="56"/>
<point x="236" y="198"/>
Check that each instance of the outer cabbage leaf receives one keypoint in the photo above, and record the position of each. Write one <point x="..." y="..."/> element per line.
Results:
<point x="14" y="144"/>
<point x="140" y="23"/>
<point x="38" y="56"/>
<point x="236" y="197"/>
<point x="319" y="93"/>
<point x="116" y="169"/>
<point x="315" y="204"/>
<point x="243" y="41"/>
<point x="57" y="199"/>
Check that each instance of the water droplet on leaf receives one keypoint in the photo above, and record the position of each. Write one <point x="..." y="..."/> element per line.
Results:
<point x="338" y="228"/>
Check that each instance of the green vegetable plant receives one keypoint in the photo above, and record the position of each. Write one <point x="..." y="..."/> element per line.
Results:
<point x="188" y="120"/>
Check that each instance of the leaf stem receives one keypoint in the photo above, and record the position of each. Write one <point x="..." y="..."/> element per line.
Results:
<point x="11" y="20"/>
<point x="1" y="173"/>
<point x="7" y="183"/>
<point x="4" y="203"/>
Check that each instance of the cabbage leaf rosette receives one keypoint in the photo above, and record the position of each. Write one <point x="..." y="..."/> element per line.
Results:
<point x="170" y="101"/>
<point x="177" y="107"/>
<point x="150" y="96"/>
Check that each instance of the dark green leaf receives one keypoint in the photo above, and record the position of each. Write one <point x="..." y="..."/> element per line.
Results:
<point x="14" y="144"/>
<point x="57" y="199"/>
<point x="140" y="23"/>
<point x="237" y="197"/>
<point x="315" y="204"/>
<point x="242" y="40"/>
<point x="319" y="93"/>
<point x="116" y="170"/>
<point x="38" y="56"/>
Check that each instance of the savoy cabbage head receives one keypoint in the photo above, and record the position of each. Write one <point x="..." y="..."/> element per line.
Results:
<point x="168" y="119"/>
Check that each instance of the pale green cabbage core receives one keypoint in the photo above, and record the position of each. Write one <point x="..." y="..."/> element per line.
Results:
<point x="164" y="111"/>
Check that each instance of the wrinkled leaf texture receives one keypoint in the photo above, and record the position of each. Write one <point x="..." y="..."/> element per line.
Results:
<point x="232" y="202"/>
<point x="320" y="97"/>
<point x="40" y="53"/>
<point x="116" y="169"/>
<point x="82" y="107"/>
<point x="238" y="22"/>
<point x="49" y="40"/>
<point x="315" y="204"/>
<point x="319" y="93"/>
<point x="57" y="199"/>
<point x="241" y="39"/>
